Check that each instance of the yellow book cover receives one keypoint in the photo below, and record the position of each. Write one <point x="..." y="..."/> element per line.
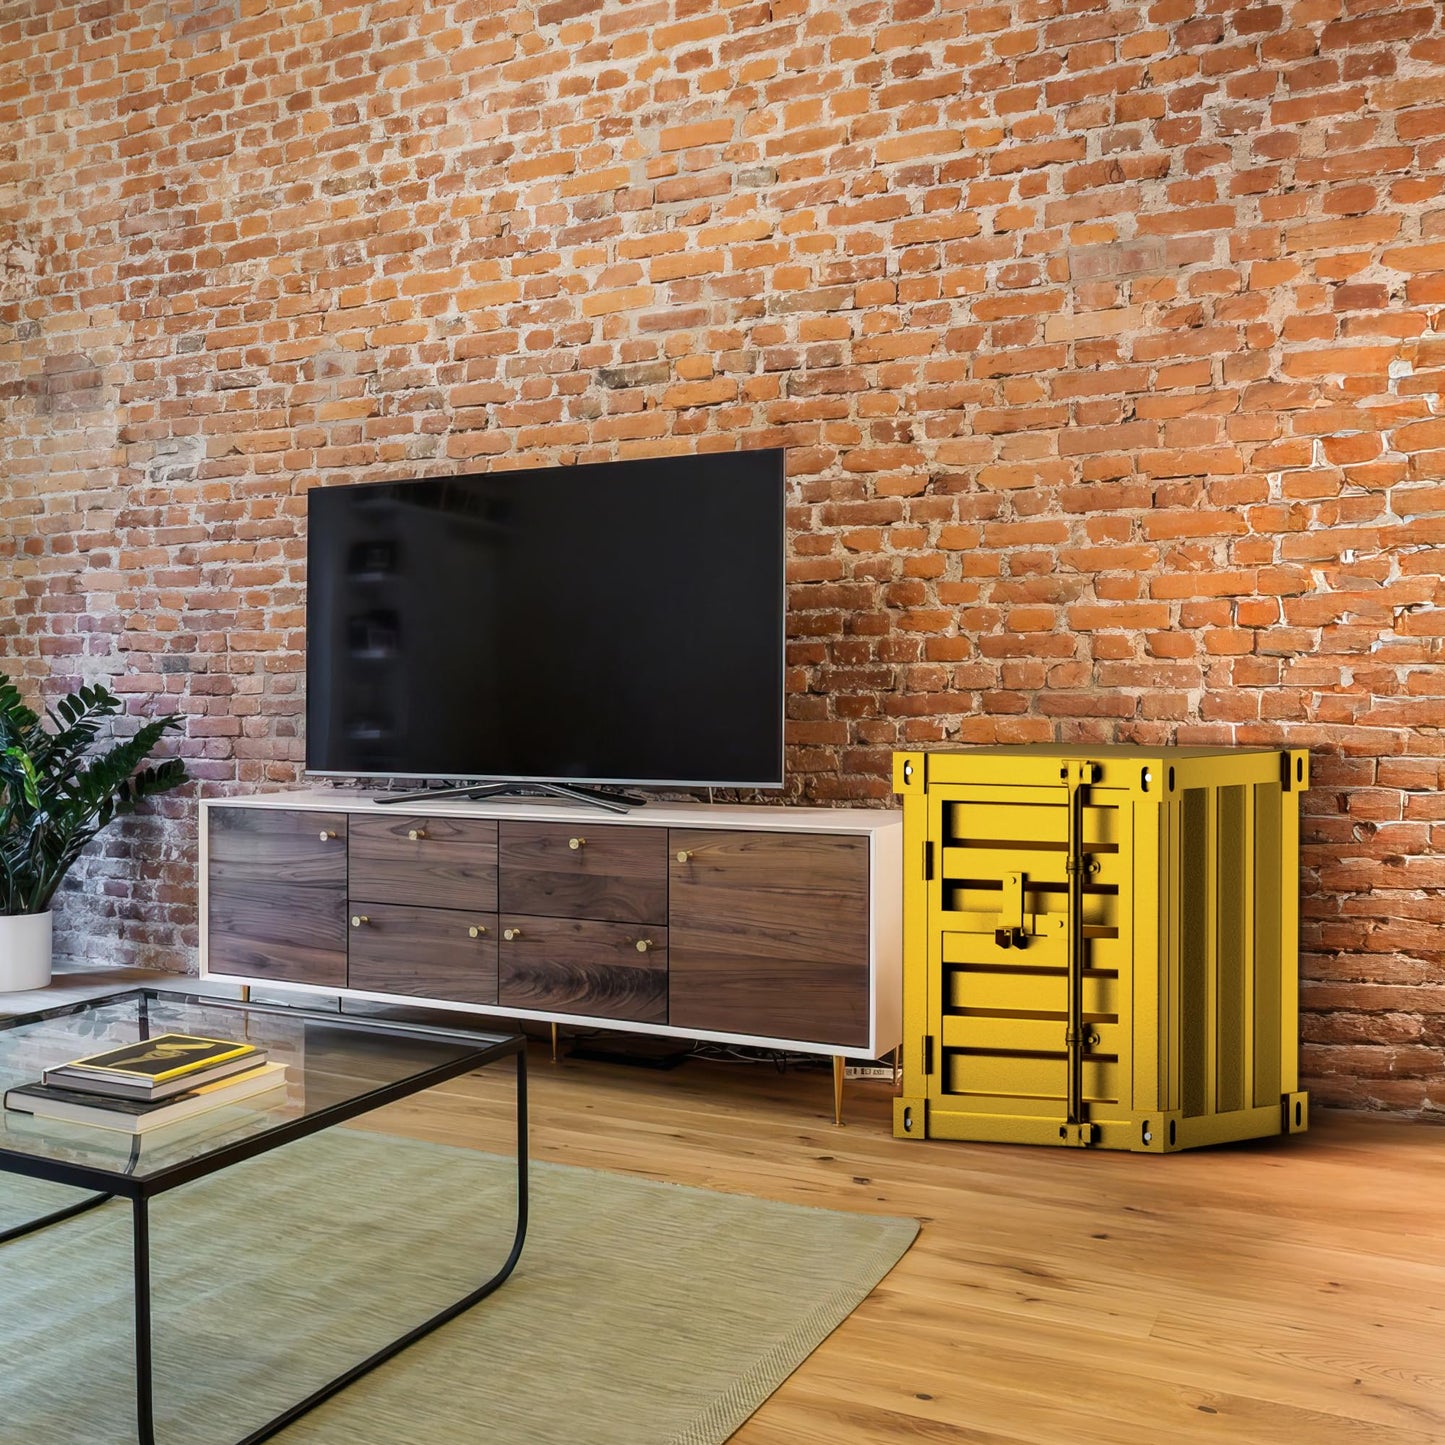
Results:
<point x="165" y="1057"/>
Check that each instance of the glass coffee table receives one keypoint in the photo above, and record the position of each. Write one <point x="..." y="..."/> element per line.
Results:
<point x="337" y="1067"/>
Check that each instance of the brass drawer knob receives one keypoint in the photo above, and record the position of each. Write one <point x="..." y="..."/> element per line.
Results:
<point x="643" y="944"/>
<point x="327" y="834"/>
<point x="575" y="843"/>
<point x="510" y="933"/>
<point x="684" y="855"/>
<point x="416" y="834"/>
<point x="357" y="919"/>
<point x="475" y="931"/>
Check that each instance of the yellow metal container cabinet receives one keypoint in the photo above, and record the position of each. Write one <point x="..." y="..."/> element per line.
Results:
<point x="1101" y="945"/>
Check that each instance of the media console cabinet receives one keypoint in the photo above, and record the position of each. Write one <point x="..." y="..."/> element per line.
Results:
<point x="778" y="927"/>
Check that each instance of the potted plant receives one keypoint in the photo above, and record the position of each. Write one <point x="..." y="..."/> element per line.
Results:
<point x="56" y="794"/>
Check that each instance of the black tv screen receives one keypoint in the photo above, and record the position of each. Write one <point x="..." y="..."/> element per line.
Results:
<point x="617" y="623"/>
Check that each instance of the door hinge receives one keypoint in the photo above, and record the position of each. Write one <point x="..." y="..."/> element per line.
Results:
<point x="928" y="862"/>
<point x="928" y="1053"/>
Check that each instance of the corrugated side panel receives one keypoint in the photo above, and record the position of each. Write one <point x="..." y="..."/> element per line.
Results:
<point x="1232" y="948"/>
<point x="1269" y="960"/>
<point x="1194" y="864"/>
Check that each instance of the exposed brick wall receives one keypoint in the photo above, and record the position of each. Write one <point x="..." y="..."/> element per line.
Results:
<point x="1105" y="337"/>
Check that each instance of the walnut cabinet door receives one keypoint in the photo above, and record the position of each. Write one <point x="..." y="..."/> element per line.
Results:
<point x="276" y="882"/>
<point x="768" y="935"/>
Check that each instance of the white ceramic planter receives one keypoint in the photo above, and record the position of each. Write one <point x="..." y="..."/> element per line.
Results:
<point x="24" y="951"/>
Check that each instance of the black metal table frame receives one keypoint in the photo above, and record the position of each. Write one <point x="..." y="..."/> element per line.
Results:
<point x="141" y="1191"/>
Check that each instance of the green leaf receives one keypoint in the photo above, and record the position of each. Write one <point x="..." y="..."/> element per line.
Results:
<point x="25" y="776"/>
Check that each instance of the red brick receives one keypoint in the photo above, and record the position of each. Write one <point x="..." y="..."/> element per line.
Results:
<point x="1109" y="439"/>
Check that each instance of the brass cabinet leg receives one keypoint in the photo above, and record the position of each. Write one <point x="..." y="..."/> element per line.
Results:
<point x="837" y="1088"/>
<point x="554" y="1043"/>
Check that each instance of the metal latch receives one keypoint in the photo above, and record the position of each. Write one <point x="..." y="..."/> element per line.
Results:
<point x="1010" y="931"/>
<point x="1079" y="1134"/>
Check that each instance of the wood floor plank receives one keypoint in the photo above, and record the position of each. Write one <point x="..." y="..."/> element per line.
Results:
<point x="1289" y="1290"/>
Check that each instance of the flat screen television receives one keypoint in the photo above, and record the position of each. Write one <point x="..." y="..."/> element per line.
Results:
<point x="610" y="624"/>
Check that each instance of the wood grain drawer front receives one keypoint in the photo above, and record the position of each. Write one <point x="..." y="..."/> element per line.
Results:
<point x="276" y="894"/>
<point x="584" y="870"/>
<point x="577" y="966"/>
<point x="276" y="845"/>
<point x="442" y="953"/>
<point x="427" y="862"/>
<point x="768" y="935"/>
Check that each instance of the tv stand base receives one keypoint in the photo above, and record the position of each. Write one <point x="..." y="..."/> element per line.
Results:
<point x="765" y="927"/>
<point x="594" y="797"/>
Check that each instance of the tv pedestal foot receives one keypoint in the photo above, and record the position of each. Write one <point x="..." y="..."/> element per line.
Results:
<point x="573" y="793"/>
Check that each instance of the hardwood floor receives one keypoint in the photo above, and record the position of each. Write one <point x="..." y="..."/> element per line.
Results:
<point x="1282" y="1292"/>
<point x="1287" y="1290"/>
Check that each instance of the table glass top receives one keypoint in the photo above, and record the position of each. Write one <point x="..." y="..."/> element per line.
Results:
<point x="330" y="1062"/>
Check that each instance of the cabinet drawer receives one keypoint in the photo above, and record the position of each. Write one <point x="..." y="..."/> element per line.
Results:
<point x="426" y="952"/>
<point x="577" y="966"/>
<point x="584" y="870"/>
<point x="427" y="862"/>
<point x="276" y="846"/>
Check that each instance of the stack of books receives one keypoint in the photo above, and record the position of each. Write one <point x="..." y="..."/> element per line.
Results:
<point x="139" y="1087"/>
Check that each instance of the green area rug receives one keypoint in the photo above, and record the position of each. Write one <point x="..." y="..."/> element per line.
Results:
<point x="640" y="1314"/>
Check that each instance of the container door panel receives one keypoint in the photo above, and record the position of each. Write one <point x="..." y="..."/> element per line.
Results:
<point x="1002" y="900"/>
